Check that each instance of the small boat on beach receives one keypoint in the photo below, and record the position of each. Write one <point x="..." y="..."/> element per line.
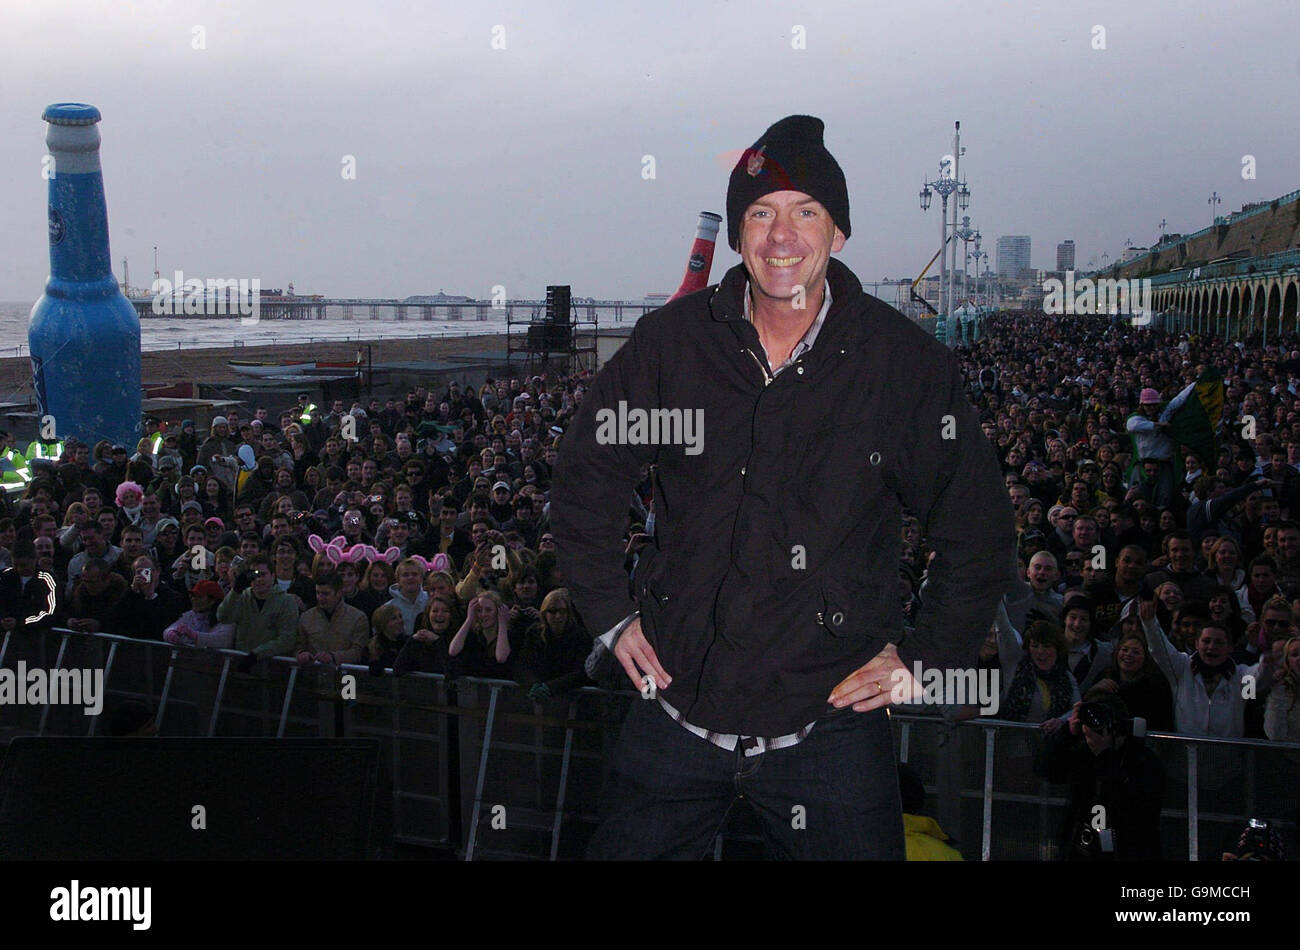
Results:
<point x="263" y="368"/>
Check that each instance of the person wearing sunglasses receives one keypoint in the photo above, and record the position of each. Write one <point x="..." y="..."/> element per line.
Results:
<point x="554" y="649"/>
<point x="1061" y="539"/>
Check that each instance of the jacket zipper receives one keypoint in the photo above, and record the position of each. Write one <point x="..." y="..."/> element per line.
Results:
<point x="767" y="377"/>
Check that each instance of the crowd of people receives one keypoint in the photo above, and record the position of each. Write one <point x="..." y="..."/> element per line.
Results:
<point x="403" y="534"/>
<point x="1156" y="582"/>
<point x="1071" y="405"/>
<point x="412" y="533"/>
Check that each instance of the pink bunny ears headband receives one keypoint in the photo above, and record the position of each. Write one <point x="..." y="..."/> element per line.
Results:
<point x="338" y="551"/>
<point x="439" y="562"/>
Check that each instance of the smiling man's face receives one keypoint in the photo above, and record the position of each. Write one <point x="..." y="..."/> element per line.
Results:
<point x="786" y="241"/>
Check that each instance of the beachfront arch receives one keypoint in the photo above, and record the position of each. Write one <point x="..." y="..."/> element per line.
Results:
<point x="1259" y="305"/>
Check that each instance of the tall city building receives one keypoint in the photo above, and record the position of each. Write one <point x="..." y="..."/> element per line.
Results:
<point x="1065" y="256"/>
<point x="1013" y="254"/>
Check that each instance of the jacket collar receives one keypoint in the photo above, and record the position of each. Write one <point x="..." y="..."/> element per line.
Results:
<point x="727" y="302"/>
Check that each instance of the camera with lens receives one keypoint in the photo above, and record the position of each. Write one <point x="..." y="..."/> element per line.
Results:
<point x="1092" y="844"/>
<point x="1100" y="718"/>
<point x="1259" y="841"/>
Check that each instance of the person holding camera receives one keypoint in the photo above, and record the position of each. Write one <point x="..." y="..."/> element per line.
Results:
<point x="352" y="524"/>
<point x="193" y="564"/>
<point x="492" y="563"/>
<point x="1259" y="841"/>
<point x="147" y="608"/>
<point x="265" y="617"/>
<point x="1116" y="783"/>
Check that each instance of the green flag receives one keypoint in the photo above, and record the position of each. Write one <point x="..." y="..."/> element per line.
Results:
<point x="1195" y="422"/>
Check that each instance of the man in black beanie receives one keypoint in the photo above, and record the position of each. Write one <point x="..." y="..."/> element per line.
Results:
<point x="787" y="418"/>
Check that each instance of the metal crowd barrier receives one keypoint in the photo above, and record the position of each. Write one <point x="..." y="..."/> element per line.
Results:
<point x="980" y="772"/>
<point x="455" y="749"/>
<point x="476" y="766"/>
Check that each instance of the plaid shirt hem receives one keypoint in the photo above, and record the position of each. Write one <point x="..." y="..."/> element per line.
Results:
<point x="753" y="745"/>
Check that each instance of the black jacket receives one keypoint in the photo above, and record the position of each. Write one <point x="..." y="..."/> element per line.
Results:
<point x="431" y="544"/>
<point x="1149" y="697"/>
<point x="147" y="619"/>
<point x="774" y="569"/>
<point x="556" y="661"/>
<point x="35" y="605"/>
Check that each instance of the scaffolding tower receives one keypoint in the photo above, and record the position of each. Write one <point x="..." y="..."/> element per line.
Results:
<point x="555" y="338"/>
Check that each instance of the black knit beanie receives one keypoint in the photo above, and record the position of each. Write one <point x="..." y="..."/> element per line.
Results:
<point x="789" y="156"/>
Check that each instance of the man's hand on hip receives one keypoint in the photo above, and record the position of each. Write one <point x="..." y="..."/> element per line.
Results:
<point x="633" y="650"/>
<point x="882" y="680"/>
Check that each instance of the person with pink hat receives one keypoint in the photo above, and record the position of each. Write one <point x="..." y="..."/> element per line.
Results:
<point x="1154" y="451"/>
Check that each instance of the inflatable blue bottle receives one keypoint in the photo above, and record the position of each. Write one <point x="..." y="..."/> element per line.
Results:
<point x="84" y="334"/>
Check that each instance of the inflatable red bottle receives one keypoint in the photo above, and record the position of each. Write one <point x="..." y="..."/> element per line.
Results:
<point x="701" y="259"/>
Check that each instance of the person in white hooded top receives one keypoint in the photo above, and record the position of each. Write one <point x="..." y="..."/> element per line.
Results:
<point x="408" y="594"/>
<point x="1210" y="689"/>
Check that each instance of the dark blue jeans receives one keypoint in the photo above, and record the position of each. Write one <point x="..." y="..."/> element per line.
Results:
<point x="832" y="796"/>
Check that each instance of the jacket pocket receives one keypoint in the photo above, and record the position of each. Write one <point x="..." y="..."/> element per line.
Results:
<point x="858" y="613"/>
<point x="649" y="586"/>
<point x="839" y="469"/>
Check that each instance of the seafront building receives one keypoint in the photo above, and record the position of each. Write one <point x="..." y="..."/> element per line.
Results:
<point x="1013" y="255"/>
<point x="1065" y="256"/>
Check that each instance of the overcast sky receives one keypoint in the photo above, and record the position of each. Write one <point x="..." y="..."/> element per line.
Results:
<point x="523" y="166"/>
